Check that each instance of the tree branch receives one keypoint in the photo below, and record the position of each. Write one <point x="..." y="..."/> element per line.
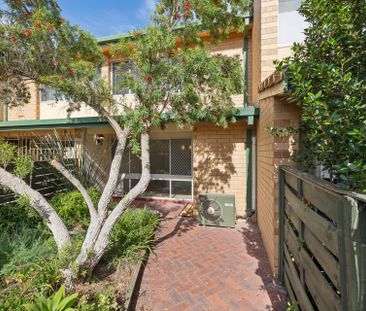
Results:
<point x="39" y="203"/>
<point x="77" y="184"/>
<point x="103" y="238"/>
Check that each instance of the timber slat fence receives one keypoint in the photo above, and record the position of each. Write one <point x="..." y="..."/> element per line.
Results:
<point x="44" y="179"/>
<point x="322" y="243"/>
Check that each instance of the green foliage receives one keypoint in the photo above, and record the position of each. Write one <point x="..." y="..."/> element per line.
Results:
<point x="181" y="85"/>
<point x="28" y="265"/>
<point x="35" y="39"/>
<point x="7" y="153"/>
<point x="71" y="207"/>
<point x="282" y="132"/>
<point x="14" y="216"/>
<point x="103" y="301"/>
<point x="132" y="234"/>
<point x="292" y="306"/>
<point x="326" y="75"/>
<point x="23" y="166"/>
<point x="58" y="302"/>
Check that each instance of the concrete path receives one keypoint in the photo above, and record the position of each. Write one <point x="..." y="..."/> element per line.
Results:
<point x="206" y="268"/>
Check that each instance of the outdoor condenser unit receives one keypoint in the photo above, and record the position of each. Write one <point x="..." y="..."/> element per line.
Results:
<point x="217" y="209"/>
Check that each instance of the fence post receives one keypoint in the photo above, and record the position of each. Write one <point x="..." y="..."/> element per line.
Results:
<point x="281" y="224"/>
<point x="352" y="224"/>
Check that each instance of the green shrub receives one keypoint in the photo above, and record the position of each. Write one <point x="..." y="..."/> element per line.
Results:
<point x="28" y="265"/>
<point x="326" y="77"/>
<point x="102" y="301"/>
<point x="58" y="302"/>
<point x="14" y="216"/>
<point x="72" y="208"/>
<point x="133" y="233"/>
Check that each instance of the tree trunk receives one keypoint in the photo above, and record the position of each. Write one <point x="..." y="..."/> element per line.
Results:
<point x="96" y="244"/>
<point x="39" y="203"/>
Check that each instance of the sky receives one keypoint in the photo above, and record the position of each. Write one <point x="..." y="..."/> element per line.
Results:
<point x="107" y="17"/>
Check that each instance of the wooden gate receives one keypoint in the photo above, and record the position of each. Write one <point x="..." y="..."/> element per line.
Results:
<point x="322" y="243"/>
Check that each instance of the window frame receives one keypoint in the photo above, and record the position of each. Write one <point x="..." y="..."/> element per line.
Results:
<point x="163" y="177"/>
<point x="112" y="64"/>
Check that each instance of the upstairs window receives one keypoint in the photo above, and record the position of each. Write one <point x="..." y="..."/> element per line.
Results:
<point x="118" y="71"/>
<point x="47" y="94"/>
<point x="291" y="23"/>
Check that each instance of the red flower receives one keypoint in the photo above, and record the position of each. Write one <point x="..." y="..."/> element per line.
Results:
<point x="188" y="6"/>
<point x="70" y="72"/>
<point x="50" y="26"/>
<point x="149" y="79"/>
<point x="187" y="15"/>
<point x="38" y="26"/>
<point x="27" y="32"/>
<point x="176" y="16"/>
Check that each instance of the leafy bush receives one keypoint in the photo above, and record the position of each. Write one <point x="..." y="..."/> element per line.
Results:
<point x="29" y="265"/>
<point x="14" y="216"/>
<point x="103" y="301"/>
<point x="133" y="233"/>
<point x="72" y="208"/>
<point x="326" y="75"/>
<point x="58" y="302"/>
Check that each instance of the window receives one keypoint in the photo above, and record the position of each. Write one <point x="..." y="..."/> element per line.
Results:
<point x="291" y="23"/>
<point x="118" y="71"/>
<point x="47" y="93"/>
<point x="171" y="169"/>
<point x="159" y="156"/>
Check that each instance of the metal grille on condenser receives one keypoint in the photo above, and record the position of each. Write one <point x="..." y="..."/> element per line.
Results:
<point x="181" y="157"/>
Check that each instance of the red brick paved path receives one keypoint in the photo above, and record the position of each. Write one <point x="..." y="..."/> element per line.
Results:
<point x="206" y="268"/>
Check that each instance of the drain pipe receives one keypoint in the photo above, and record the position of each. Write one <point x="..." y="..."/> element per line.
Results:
<point x="250" y="171"/>
<point x="5" y="107"/>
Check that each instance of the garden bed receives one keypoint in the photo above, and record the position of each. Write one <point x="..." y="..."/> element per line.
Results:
<point x="29" y="265"/>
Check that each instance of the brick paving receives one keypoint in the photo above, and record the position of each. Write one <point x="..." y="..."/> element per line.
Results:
<point x="206" y="268"/>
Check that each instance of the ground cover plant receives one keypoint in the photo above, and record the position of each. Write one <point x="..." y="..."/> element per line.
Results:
<point x="30" y="265"/>
<point x="176" y="80"/>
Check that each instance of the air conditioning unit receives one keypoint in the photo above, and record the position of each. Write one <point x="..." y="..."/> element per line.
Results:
<point x="217" y="209"/>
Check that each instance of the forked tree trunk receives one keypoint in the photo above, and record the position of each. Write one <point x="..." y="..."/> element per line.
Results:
<point x="99" y="231"/>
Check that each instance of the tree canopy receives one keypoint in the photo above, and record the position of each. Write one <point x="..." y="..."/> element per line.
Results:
<point x="173" y="77"/>
<point x="326" y="75"/>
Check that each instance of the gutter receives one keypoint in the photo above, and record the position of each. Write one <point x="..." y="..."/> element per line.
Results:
<point x="88" y="122"/>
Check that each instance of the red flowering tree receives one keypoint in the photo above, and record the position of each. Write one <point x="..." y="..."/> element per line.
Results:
<point x="175" y="80"/>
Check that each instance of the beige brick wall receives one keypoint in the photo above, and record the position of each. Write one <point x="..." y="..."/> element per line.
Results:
<point x="29" y="111"/>
<point x="219" y="161"/>
<point x="269" y="36"/>
<point x="271" y="153"/>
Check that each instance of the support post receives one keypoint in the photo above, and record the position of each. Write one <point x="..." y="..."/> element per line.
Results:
<point x="249" y="210"/>
<point x="281" y="237"/>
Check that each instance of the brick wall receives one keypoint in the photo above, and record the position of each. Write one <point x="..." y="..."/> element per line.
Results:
<point x="269" y="36"/>
<point x="219" y="161"/>
<point x="272" y="152"/>
<point x="29" y="111"/>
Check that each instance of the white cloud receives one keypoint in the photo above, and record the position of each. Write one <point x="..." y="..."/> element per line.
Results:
<point x="144" y="13"/>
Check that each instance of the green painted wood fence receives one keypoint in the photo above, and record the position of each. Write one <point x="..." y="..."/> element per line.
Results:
<point x="44" y="179"/>
<point x="322" y="243"/>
